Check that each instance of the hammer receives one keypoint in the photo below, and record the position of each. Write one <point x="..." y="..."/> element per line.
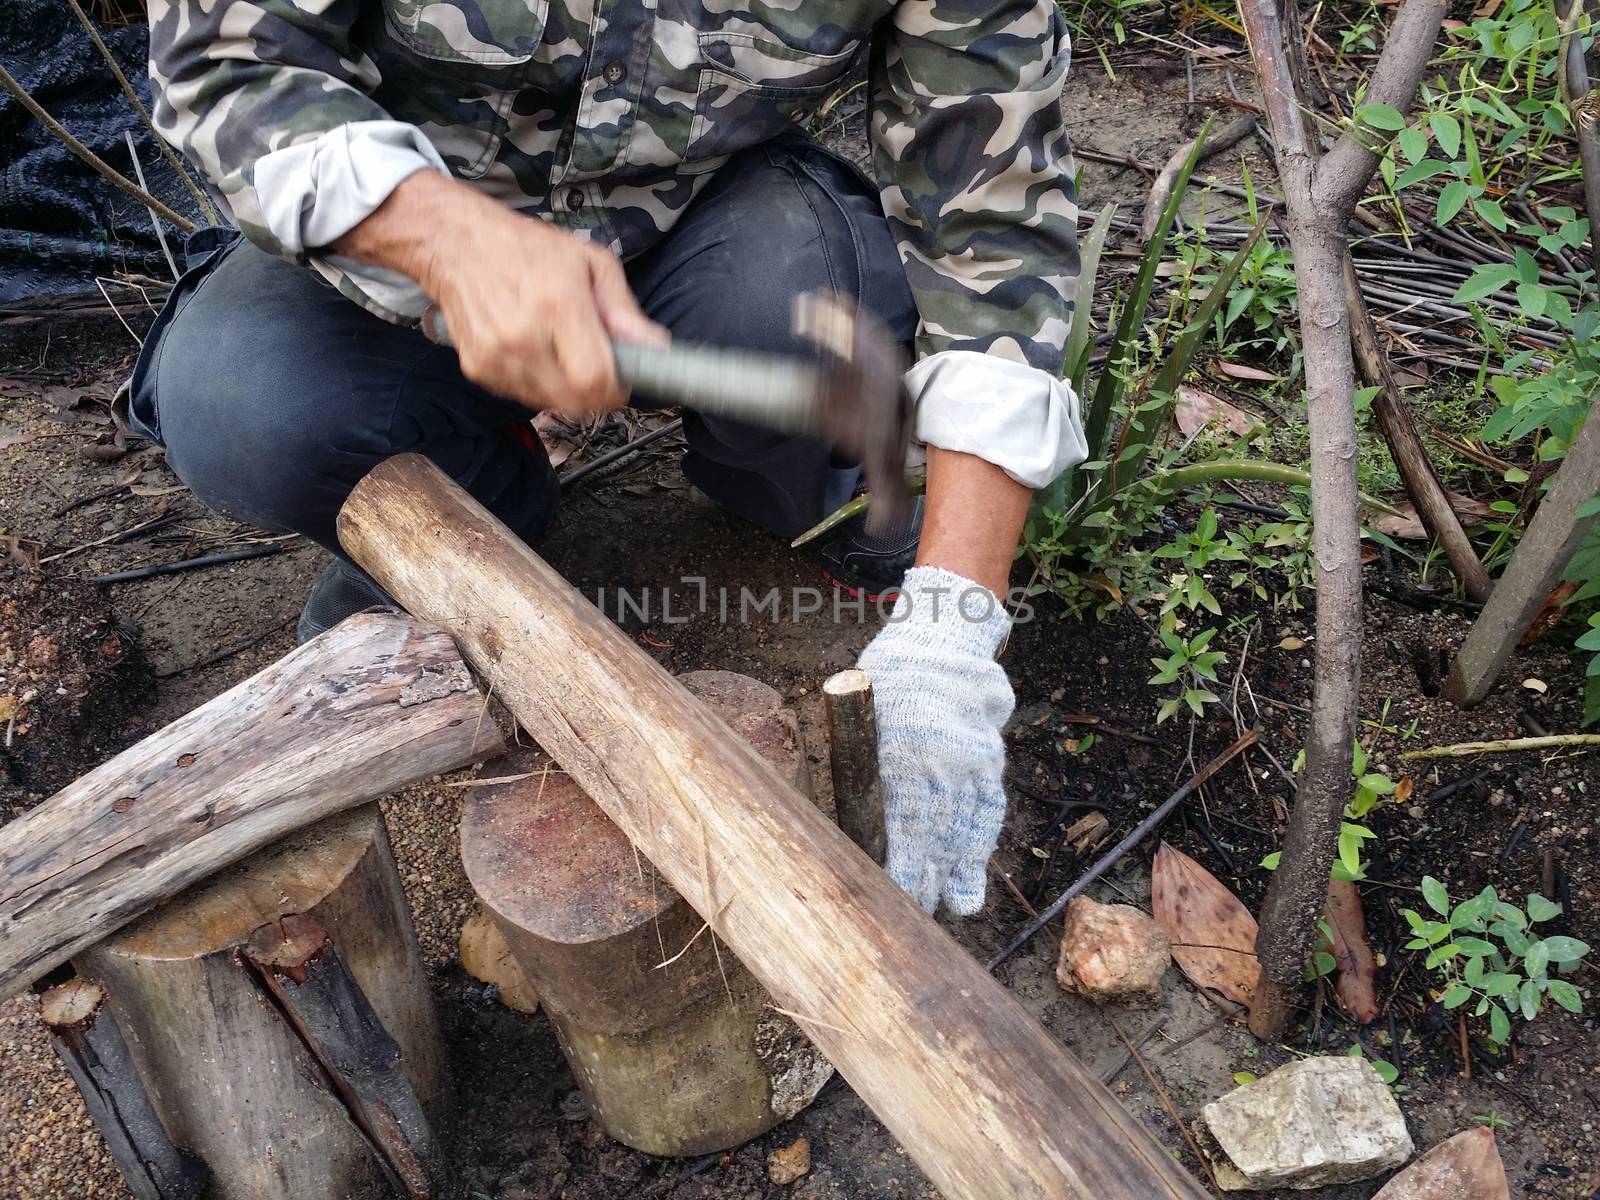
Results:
<point x="851" y="393"/>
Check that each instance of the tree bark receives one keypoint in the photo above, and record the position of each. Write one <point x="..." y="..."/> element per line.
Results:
<point x="1320" y="193"/>
<point x="87" y="1039"/>
<point x="1547" y="546"/>
<point x="853" y="760"/>
<point x="374" y="705"/>
<point x="1406" y="448"/>
<point x="984" y="1100"/>
<point x="676" y="1047"/>
<point x="247" y="1089"/>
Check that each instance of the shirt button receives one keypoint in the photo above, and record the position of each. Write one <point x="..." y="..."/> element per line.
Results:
<point x="616" y="73"/>
<point x="575" y="199"/>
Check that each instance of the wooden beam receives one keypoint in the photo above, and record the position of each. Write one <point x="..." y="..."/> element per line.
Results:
<point x="987" y="1103"/>
<point x="1551" y="539"/>
<point x="374" y="705"/>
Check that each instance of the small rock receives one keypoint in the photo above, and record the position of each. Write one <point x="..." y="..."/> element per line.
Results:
<point x="789" y="1163"/>
<point x="1310" y="1124"/>
<point x="1465" y="1167"/>
<point x="1112" y="952"/>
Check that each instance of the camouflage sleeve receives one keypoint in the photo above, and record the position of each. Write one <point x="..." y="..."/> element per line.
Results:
<point x="242" y="84"/>
<point x="975" y="170"/>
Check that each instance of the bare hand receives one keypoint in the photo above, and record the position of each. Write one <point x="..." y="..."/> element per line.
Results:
<point x="532" y="309"/>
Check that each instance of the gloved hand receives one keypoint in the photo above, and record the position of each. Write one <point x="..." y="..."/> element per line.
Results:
<point x="942" y="700"/>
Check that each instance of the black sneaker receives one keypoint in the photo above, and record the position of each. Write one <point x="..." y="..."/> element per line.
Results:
<point x="870" y="563"/>
<point x="341" y="591"/>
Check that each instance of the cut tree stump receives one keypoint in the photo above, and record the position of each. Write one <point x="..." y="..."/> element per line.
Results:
<point x="229" y="1073"/>
<point x="985" y="1101"/>
<point x="88" y="1040"/>
<point x="374" y="705"/>
<point x="675" y="1059"/>
<point x="1547" y="546"/>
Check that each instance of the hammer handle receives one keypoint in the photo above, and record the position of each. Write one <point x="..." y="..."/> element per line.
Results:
<point x="775" y="391"/>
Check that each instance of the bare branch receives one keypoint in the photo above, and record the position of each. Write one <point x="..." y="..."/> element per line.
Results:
<point x="1347" y="167"/>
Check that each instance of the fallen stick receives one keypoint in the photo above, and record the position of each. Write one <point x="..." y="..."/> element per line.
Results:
<point x="1228" y="136"/>
<point x="986" y="1102"/>
<point x="1141" y="831"/>
<point x="187" y="564"/>
<point x="1555" y="741"/>
<point x="373" y="705"/>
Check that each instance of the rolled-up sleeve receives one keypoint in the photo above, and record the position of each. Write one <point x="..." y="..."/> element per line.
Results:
<point x="269" y="99"/>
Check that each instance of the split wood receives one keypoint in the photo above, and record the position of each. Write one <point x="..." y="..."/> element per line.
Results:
<point x="1556" y="741"/>
<point x="1139" y="833"/>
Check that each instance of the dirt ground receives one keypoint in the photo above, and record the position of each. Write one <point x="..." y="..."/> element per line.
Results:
<point x="130" y="656"/>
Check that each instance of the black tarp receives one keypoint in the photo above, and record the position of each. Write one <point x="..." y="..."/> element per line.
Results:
<point x="61" y="224"/>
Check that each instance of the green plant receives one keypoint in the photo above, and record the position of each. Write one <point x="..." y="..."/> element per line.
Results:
<point x="1387" y="1071"/>
<point x="1191" y="666"/>
<point x="1492" y="1120"/>
<point x="1372" y="789"/>
<point x="1486" y="949"/>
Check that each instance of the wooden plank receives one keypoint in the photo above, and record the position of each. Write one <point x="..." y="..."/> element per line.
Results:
<point x="1547" y="546"/>
<point x="375" y="704"/>
<point x="986" y="1102"/>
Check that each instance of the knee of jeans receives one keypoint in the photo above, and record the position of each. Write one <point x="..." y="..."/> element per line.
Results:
<point x="257" y="436"/>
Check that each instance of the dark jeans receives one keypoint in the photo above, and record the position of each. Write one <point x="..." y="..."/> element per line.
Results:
<point x="274" y="395"/>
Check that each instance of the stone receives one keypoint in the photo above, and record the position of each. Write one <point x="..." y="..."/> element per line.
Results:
<point x="1465" y="1167"/>
<point x="1311" y="1124"/>
<point x="789" y="1163"/>
<point x="1112" y="952"/>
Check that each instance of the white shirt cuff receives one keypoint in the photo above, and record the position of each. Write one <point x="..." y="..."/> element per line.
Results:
<point x="313" y="193"/>
<point x="1017" y="417"/>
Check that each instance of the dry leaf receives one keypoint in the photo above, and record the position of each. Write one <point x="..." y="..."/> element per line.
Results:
<point x="145" y="489"/>
<point x="1196" y="409"/>
<point x="789" y="1163"/>
<point x="1550" y="613"/>
<point x="1465" y="1167"/>
<point x="1403" y="789"/>
<point x="1536" y="685"/>
<point x="1213" y="935"/>
<point x="1292" y="643"/>
<point x="1241" y="371"/>
<point x="1356" y="987"/>
<point x="1408" y="525"/>
<point x="15" y="437"/>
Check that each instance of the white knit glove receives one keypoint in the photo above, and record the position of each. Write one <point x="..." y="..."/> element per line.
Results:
<point x="942" y="700"/>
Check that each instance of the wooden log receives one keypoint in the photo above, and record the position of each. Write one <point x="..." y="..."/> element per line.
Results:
<point x="373" y="705"/>
<point x="1547" y="546"/>
<point x="486" y="957"/>
<point x="228" y="1073"/>
<point x="88" y="1040"/>
<point x="853" y="760"/>
<point x="985" y="1101"/>
<point x="308" y="977"/>
<point x="676" y="1047"/>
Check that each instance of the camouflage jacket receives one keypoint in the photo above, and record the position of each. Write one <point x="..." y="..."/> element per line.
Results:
<point x="607" y="116"/>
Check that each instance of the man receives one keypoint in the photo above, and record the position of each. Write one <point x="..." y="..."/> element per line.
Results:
<point x="554" y="174"/>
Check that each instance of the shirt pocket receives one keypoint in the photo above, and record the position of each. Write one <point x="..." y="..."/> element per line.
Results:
<point x="492" y="34"/>
<point x="752" y="88"/>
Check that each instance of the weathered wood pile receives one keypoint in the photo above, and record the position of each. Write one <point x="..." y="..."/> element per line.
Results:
<point x="708" y="945"/>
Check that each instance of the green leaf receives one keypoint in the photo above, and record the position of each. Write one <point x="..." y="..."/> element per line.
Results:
<point x="1426" y="169"/>
<point x="1452" y="198"/>
<point x="1528" y="999"/>
<point x="1456" y="995"/>
<point x="1387" y="1071"/>
<point x="1447" y="132"/>
<point x="1413" y="144"/>
<point x="1501" y="984"/>
<point x="1589" y="507"/>
<point x="1435" y="894"/>
<point x="1485" y="281"/>
<point x="1565" y="995"/>
<point x="1540" y="909"/>
<point x="1089" y="248"/>
<point x="1475" y="971"/>
<point x="1475" y="947"/>
<point x="1536" y="960"/>
<point x="1563" y="950"/>
<point x="1441" y="954"/>
<point x="1244" y="1077"/>
<point x="1491" y="213"/>
<point x="1381" y="116"/>
<point x="1270" y="862"/>
<point x="1532" y="298"/>
<point x="1499" y="1024"/>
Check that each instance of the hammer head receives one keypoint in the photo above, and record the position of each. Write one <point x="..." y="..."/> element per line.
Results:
<point x="863" y="406"/>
